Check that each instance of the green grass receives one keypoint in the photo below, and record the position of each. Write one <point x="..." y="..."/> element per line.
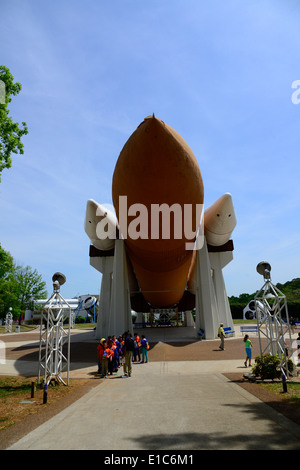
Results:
<point x="28" y="328"/>
<point x="84" y="325"/>
<point x="293" y="391"/>
<point x="13" y="386"/>
<point x="23" y="328"/>
<point x="244" y="322"/>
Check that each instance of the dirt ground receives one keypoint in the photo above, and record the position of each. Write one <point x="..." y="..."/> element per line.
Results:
<point x="26" y="417"/>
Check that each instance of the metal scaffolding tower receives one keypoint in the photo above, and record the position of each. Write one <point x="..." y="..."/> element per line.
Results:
<point x="272" y="319"/>
<point x="53" y="358"/>
<point x="8" y="321"/>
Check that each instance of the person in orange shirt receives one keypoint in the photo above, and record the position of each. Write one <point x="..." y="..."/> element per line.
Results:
<point x="112" y="361"/>
<point x="137" y="345"/>
<point x="107" y="356"/>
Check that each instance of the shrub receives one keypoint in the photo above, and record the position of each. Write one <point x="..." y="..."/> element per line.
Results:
<point x="80" y="320"/>
<point x="267" y="367"/>
<point x="291" y="366"/>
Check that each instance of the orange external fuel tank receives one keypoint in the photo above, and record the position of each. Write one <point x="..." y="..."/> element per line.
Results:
<point x="157" y="169"/>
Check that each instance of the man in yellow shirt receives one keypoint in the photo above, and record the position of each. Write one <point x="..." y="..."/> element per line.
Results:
<point x="221" y="335"/>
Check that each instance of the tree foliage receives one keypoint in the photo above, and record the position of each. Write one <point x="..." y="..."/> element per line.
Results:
<point x="7" y="298"/>
<point x="6" y="263"/>
<point x="19" y="285"/>
<point x="291" y="289"/>
<point x="10" y="132"/>
<point x="242" y="299"/>
<point x="30" y="285"/>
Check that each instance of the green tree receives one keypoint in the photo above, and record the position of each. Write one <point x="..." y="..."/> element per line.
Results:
<point x="6" y="263"/>
<point x="7" y="294"/>
<point x="29" y="286"/>
<point x="19" y="285"/>
<point x="10" y="132"/>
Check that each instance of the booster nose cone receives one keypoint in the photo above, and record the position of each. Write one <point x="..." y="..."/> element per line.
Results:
<point x="100" y="225"/>
<point x="220" y="221"/>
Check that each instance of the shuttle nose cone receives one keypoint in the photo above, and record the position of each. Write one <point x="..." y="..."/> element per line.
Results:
<point x="219" y="221"/>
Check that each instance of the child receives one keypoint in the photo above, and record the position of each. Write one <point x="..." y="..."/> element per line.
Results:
<point x="137" y="346"/>
<point x="145" y="347"/>
<point x="116" y="358"/>
<point x="248" y="349"/>
<point x="107" y="356"/>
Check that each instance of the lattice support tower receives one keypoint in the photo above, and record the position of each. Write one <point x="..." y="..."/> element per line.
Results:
<point x="273" y="320"/>
<point x="164" y="315"/>
<point x="54" y="358"/>
<point x="8" y="322"/>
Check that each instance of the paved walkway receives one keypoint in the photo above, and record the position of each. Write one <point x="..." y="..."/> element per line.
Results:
<point x="166" y="406"/>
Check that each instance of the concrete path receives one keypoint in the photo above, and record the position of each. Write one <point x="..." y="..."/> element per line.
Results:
<point x="164" y="406"/>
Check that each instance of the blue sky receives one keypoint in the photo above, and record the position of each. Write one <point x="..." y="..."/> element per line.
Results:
<point x="220" y="73"/>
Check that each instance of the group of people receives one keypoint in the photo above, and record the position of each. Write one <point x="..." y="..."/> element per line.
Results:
<point x="114" y="352"/>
